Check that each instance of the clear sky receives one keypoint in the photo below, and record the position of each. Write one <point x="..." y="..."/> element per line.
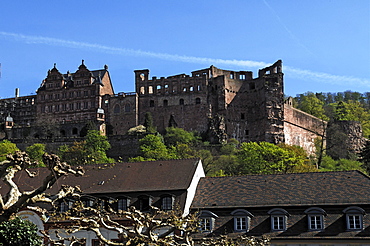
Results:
<point x="324" y="44"/>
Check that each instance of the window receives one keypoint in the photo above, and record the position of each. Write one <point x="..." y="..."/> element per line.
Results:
<point x="116" y="109"/>
<point x="127" y="108"/>
<point x="207" y="221"/>
<point x="278" y="219"/>
<point x="151" y="103"/>
<point x="197" y="100"/>
<point x="315" y="218"/>
<point x="231" y="75"/>
<point x="150" y="89"/>
<point x="122" y="204"/>
<point x="144" y="203"/>
<point x="181" y="101"/>
<point x="354" y="218"/>
<point x="242" y="76"/>
<point x="241" y="220"/>
<point x="167" y="202"/>
<point x="165" y="103"/>
<point x="66" y="205"/>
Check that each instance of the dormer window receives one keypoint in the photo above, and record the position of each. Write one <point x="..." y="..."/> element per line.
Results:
<point x="315" y="218"/>
<point x="354" y="218"/>
<point x="167" y="202"/>
<point x="145" y="202"/>
<point x="279" y="218"/>
<point x="122" y="204"/>
<point x="207" y="221"/>
<point x="241" y="220"/>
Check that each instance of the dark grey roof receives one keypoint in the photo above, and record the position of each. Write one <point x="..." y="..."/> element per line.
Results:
<point x="347" y="187"/>
<point x="123" y="177"/>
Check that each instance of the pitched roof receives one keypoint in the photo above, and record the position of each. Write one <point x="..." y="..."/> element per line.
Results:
<point x="283" y="189"/>
<point x="122" y="177"/>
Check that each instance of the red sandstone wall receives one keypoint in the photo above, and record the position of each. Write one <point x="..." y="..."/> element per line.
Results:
<point x="301" y="128"/>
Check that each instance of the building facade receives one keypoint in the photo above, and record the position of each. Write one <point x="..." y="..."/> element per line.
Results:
<point x="219" y="104"/>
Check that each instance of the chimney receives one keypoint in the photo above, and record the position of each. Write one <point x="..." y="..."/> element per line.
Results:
<point x="16" y="92"/>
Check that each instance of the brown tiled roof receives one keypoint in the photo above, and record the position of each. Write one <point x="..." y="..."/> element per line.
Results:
<point x="347" y="187"/>
<point x="123" y="177"/>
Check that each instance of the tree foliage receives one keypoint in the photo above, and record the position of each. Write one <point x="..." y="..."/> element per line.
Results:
<point x="16" y="232"/>
<point x="35" y="152"/>
<point x="90" y="151"/>
<point x="7" y="147"/>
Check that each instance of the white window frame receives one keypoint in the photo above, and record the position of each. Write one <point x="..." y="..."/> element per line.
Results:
<point x="207" y="221"/>
<point x="315" y="218"/>
<point x="354" y="218"/>
<point x="279" y="219"/>
<point x="241" y="220"/>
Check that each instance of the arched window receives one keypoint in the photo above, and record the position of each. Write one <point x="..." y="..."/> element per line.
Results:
<point x="142" y="90"/>
<point x="127" y="108"/>
<point x="354" y="218"/>
<point x="197" y="100"/>
<point x="241" y="220"/>
<point x="279" y="219"/>
<point x="207" y="221"/>
<point x="181" y="101"/>
<point x="116" y="109"/>
<point x="315" y="218"/>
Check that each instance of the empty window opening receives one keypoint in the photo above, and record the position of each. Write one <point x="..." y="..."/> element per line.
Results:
<point x="191" y="88"/>
<point x="150" y="90"/>
<point x="197" y="100"/>
<point x="117" y="109"/>
<point x="242" y="76"/>
<point x="165" y="103"/>
<point x="252" y="86"/>
<point x="231" y="75"/>
<point x="242" y="116"/>
<point x="127" y="108"/>
<point x="142" y="90"/>
<point x="151" y="103"/>
<point x="181" y="101"/>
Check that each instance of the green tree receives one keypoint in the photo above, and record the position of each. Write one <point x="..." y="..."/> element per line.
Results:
<point x="176" y="136"/>
<point x="90" y="151"/>
<point x="6" y="147"/>
<point x="364" y="157"/>
<point x="18" y="232"/>
<point x="266" y="158"/>
<point x="152" y="147"/>
<point x="310" y="104"/>
<point x="148" y="123"/>
<point x="35" y="152"/>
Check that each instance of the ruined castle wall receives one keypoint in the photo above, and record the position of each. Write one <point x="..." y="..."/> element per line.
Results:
<point x="301" y="128"/>
<point x="180" y="99"/>
<point x="121" y="112"/>
<point x="255" y="112"/>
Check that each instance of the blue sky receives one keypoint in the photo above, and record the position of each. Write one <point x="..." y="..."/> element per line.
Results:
<point x="324" y="44"/>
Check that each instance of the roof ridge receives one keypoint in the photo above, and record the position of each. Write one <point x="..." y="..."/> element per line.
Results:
<point x="300" y="173"/>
